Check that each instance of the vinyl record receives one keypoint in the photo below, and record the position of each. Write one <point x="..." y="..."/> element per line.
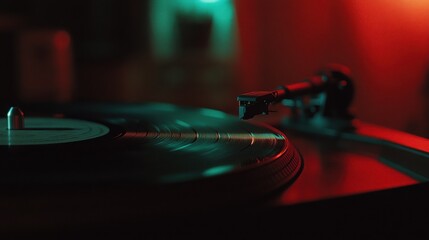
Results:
<point x="160" y="155"/>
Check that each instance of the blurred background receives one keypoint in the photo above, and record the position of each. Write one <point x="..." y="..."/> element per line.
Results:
<point x="206" y="52"/>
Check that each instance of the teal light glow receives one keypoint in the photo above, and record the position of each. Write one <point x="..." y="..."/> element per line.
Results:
<point x="213" y="113"/>
<point x="166" y="107"/>
<point x="183" y="124"/>
<point x="209" y="1"/>
<point x="180" y="147"/>
<point x="217" y="170"/>
<point x="164" y="25"/>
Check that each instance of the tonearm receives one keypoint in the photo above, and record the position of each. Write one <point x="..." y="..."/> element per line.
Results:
<point x="328" y="93"/>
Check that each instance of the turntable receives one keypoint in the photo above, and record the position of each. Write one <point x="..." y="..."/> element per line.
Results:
<point x="161" y="169"/>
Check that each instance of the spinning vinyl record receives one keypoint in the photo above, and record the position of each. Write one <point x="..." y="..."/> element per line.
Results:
<point x="160" y="157"/>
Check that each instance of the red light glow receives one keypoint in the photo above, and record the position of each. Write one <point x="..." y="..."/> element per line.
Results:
<point x="62" y="59"/>
<point x="61" y="40"/>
